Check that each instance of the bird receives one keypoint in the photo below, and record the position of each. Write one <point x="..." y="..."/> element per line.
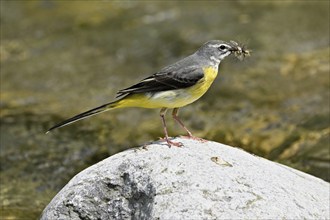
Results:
<point x="173" y="87"/>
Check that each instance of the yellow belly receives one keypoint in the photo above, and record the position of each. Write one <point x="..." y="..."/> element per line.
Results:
<point x="172" y="98"/>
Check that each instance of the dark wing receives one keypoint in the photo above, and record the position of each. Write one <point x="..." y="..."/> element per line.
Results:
<point x="166" y="80"/>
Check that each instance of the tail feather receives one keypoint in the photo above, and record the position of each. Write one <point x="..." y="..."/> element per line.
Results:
<point x="83" y="115"/>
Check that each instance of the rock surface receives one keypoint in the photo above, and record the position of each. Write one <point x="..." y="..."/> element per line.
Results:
<point x="197" y="181"/>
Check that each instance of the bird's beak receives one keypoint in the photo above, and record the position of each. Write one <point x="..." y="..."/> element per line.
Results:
<point x="234" y="49"/>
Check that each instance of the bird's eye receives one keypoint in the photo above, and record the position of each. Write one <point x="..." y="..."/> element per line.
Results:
<point x="222" y="47"/>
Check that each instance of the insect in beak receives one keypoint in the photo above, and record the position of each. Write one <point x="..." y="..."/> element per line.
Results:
<point x="240" y="51"/>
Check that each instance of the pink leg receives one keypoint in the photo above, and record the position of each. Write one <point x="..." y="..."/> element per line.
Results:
<point x="169" y="143"/>
<point x="176" y="118"/>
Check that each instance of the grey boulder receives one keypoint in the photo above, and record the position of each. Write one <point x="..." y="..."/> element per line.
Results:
<point x="201" y="180"/>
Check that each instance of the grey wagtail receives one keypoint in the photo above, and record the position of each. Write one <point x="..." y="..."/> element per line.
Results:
<point x="174" y="86"/>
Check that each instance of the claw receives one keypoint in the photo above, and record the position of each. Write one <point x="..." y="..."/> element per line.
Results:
<point x="171" y="143"/>
<point x="194" y="138"/>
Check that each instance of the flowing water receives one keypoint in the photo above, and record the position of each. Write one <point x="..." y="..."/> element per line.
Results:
<point x="59" y="58"/>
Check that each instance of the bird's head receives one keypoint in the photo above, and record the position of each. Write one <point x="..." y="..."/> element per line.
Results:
<point x="217" y="50"/>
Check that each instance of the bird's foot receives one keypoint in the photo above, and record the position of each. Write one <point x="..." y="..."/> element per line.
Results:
<point x="171" y="143"/>
<point x="191" y="137"/>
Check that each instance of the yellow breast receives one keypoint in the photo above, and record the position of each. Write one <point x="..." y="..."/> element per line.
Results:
<point x="172" y="98"/>
<point x="204" y="84"/>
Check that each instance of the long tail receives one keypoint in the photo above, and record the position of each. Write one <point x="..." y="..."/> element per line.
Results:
<point x="86" y="114"/>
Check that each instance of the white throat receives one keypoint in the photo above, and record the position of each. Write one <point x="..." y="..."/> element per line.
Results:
<point x="215" y="61"/>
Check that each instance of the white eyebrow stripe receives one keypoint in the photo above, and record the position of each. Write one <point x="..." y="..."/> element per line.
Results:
<point x="215" y="45"/>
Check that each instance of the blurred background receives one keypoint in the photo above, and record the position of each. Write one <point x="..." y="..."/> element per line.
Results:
<point x="59" y="58"/>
